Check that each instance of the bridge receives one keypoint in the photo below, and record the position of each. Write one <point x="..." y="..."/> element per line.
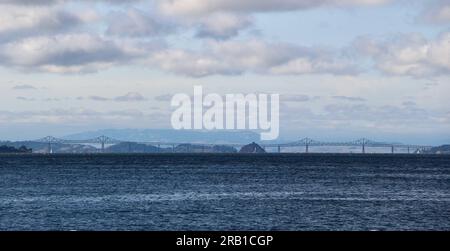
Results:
<point x="306" y="143"/>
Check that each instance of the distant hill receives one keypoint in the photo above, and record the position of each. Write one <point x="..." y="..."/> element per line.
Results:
<point x="10" y="149"/>
<point x="183" y="148"/>
<point x="173" y="136"/>
<point x="124" y="147"/>
<point x="444" y="149"/>
<point x="188" y="148"/>
<point x="56" y="148"/>
<point x="252" y="148"/>
<point x="133" y="148"/>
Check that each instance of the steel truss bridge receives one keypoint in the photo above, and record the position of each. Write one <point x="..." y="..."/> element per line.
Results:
<point x="305" y="143"/>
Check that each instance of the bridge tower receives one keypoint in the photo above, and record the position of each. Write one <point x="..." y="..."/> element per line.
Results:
<point x="363" y="143"/>
<point x="50" y="141"/>
<point x="103" y="140"/>
<point x="307" y="142"/>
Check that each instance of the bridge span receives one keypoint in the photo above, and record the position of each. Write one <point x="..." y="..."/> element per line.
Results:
<point x="305" y="143"/>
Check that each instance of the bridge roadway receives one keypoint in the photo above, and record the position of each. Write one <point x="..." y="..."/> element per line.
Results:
<point x="305" y="142"/>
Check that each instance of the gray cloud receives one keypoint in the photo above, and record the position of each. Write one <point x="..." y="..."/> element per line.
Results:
<point x="430" y="85"/>
<point x="222" y="25"/>
<point x="53" y="2"/>
<point x="71" y="53"/>
<point x="30" y="2"/>
<point x="295" y="98"/>
<point x="24" y="87"/>
<point x="18" y="23"/>
<point x="408" y="54"/>
<point x="285" y="98"/>
<point x="351" y="99"/>
<point x="409" y="103"/>
<point x="129" y="97"/>
<point x="136" y="23"/>
<point x="85" y="53"/>
<point x="239" y="57"/>
<point x="25" y="98"/>
<point x="75" y="115"/>
<point x="387" y="113"/>
<point x="52" y="99"/>
<point x="164" y="98"/>
<point x="43" y="99"/>
<point x="97" y="98"/>
<point x="437" y="12"/>
<point x="201" y="7"/>
<point x="361" y="117"/>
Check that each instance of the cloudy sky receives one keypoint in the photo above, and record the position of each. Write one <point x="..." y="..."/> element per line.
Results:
<point x="344" y="68"/>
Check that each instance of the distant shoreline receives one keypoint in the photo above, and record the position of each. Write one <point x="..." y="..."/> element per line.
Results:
<point x="222" y="154"/>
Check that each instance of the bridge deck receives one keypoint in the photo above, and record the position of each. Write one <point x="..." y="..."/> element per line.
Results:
<point x="306" y="142"/>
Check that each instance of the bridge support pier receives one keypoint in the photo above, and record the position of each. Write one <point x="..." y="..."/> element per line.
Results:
<point x="103" y="140"/>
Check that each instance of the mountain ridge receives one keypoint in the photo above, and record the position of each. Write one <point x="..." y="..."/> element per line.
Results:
<point x="170" y="135"/>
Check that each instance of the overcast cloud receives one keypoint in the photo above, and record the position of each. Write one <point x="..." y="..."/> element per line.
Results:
<point x="48" y="36"/>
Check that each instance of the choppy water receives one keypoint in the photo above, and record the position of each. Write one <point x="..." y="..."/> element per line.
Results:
<point x="225" y="192"/>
